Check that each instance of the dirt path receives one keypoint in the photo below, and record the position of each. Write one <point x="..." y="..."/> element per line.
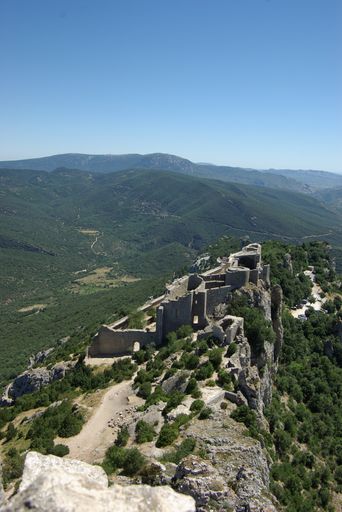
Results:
<point x="97" y="434"/>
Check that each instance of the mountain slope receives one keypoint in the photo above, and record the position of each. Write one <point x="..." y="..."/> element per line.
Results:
<point x="299" y="181"/>
<point x="75" y="247"/>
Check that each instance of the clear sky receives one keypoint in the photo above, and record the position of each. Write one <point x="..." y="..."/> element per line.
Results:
<point x="255" y="83"/>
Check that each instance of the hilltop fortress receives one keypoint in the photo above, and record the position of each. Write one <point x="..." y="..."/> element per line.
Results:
<point x="194" y="300"/>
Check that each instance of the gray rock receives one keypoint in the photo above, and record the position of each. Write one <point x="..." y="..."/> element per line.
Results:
<point x="201" y="480"/>
<point x="216" y="478"/>
<point x="33" y="380"/>
<point x="176" y="382"/>
<point x="288" y="262"/>
<point x="40" y="357"/>
<point x="51" y="484"/>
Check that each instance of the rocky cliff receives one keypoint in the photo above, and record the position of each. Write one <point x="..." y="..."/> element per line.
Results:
<point x="51" y="484"/>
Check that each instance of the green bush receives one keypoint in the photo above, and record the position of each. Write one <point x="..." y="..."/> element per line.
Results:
<point x="215" y="357"/>
<point x="145" y="390"/>
<point x="122" y="437"/>
<point x="133" y="462"/>
<point x="205" y="413"/>
<point x="12" y="465"/>
<point x="191" y="361"/>
<point x="183" y="450"/>
<point x="60" y="450"/>
<point x="136" y="320"/>
<point x="71" y="425"/>
<point x="232" y="348"/>
<point x="224" y="379"/>
<point x="11" y="432"/>
<point x="114" y="459"/>
<point x="196" y="406"/>
<point x="175" y="399"/>
<point x="202" y="347"/>
<point x="168" y="434"/>
<point x="144" y="432"/>
<point x="205" y="371"/>
<point x="184" y="331"/>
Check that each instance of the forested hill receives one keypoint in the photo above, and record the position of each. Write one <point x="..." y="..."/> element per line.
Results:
<point x="300" y="181"/>
<point x="76" y="246"/>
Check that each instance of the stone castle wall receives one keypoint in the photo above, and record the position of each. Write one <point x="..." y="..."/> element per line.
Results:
<point x="109" y="342"/>
<point x="190" y="300"/>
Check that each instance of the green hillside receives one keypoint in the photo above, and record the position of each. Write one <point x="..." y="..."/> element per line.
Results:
<point x="297" y="181"/>
<point x="76" y="247"/>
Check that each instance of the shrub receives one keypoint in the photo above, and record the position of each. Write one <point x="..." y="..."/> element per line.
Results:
<point x="60" y="450"/>
<point x="136" y="320"/>
<point x="12" y="465"/>
<point x="11" y="432"/>
<point x="71" y="425"/>
<point x="210" y="383"/>
<point x="192" y="386"/>
<point x="184" y="449"/>
<point x="174" y="400"/>
<point x="215" y="357"/>
<point x="224" y="379"/>
<point x="191" y="361"/>
<point x="182" y="419"/>
<point x="168" y="434"/>
<point x="205" y="371"/>
<point x="184" y="331"/>
<point x="205" y="413"/>
<point x="133" y="462"/>
<point x="144" y="432"/>
<point x="232" y="348"/>
<point x="202" y="348"/>
<point x="196" y="406"/>
<point x="145" y="390"/>
<point x="122" y="437"/>
<point x="130" y="460"/>
<point x="114" y="459"/>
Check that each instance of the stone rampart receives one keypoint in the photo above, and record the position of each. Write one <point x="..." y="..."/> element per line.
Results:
<point x="216" y="296"/>
<point x="237" y="277"/>
<point x="110" y="342"/>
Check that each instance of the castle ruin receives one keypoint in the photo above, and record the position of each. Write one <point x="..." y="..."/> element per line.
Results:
<point x="193" y="300"/>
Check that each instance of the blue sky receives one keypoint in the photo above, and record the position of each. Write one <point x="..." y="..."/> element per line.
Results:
<point x="255" y="83"/>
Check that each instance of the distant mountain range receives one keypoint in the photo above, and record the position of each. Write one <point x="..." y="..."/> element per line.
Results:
<point x="296" y="180"/>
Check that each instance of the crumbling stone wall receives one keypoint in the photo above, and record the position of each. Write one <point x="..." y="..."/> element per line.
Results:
<point x="109" y="342"/>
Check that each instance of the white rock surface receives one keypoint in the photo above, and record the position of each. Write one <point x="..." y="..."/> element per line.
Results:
<point x="51" y="484"/>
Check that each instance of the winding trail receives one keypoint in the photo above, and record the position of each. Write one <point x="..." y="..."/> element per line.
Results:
<point x="96" y="435"/>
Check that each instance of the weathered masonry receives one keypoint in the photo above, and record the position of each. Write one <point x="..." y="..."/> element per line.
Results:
<point x="191" y="300"/>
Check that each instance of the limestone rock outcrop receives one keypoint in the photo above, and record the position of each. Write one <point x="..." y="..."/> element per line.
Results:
<point x="51" y="484"/>
<point x="255" y="378"/>
<point x="235" y="473"/>
<point x="32" y="380"/>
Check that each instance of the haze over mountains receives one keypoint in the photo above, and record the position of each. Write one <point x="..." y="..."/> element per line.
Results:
<point x="300" y="181"/>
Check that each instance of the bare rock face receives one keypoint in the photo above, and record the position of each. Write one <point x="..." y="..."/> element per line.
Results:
<point x="277" y="304"/>
<point x="32" y="380"/>
<point x="176" y="382"/>
<point x="201" y="480"/>
<point x="235" y="474"/>
<point x="257" y="371"/>
<point x="51" y="484"/>
<point x="288" y="262"/>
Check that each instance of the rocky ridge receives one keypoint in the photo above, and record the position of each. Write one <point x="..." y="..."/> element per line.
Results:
<point x="52" y="484"/>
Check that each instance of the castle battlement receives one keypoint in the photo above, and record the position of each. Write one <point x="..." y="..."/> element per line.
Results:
<point x="190" y="300"/>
